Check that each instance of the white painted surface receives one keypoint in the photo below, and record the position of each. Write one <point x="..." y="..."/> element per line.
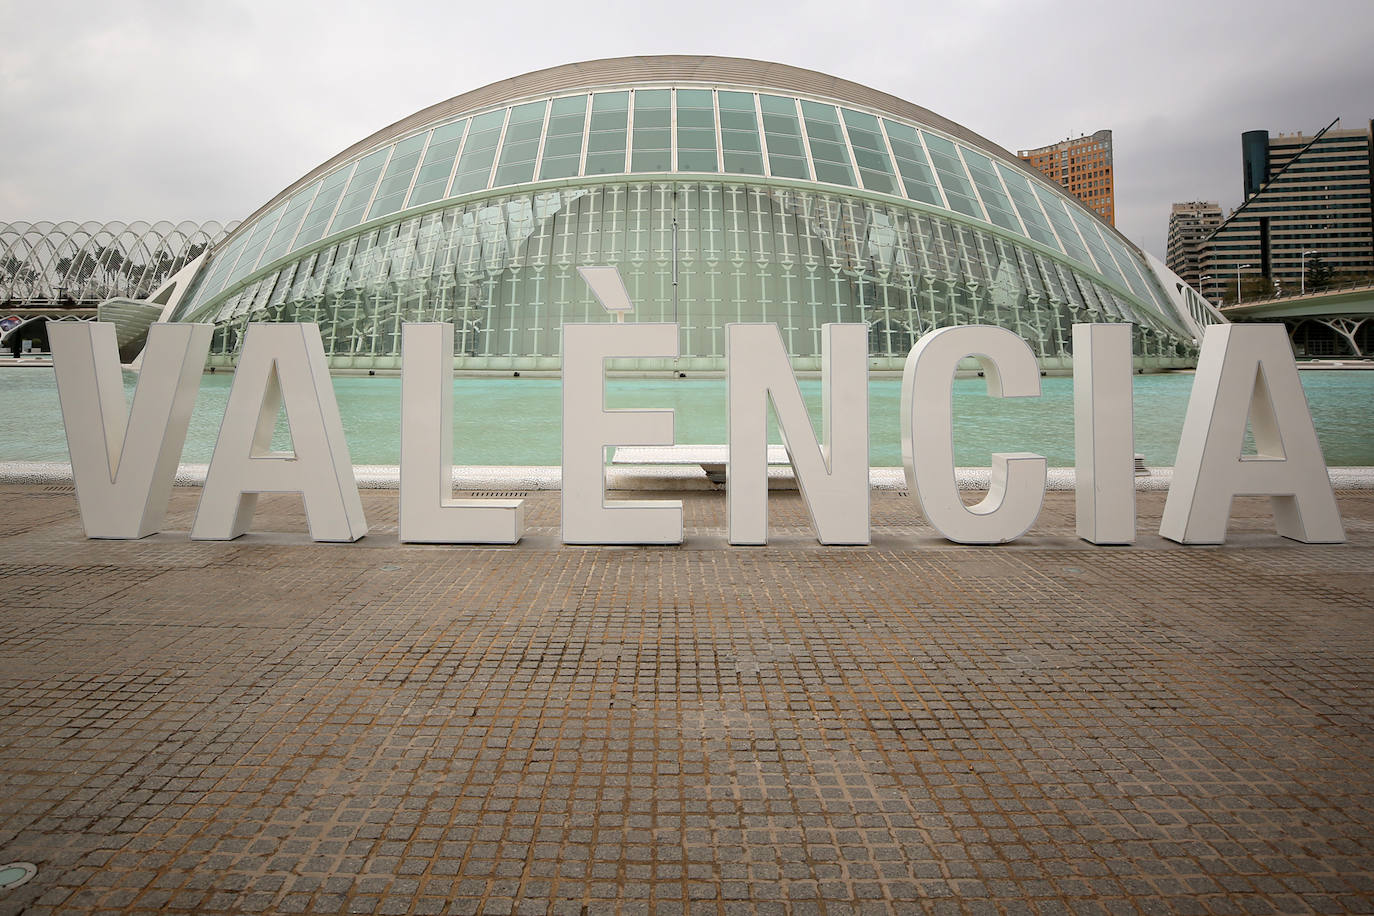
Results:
<point x="124" y="461"/>
<point x="589" y="428"/>
<point x="1104" y="434"/>
<point x="609" y="289"/>
<point x="1016" y="487"/>
<point x="1248" y="371"/>
<point x="282" y="364"/>
<point x="428" y="512"/>
<point x="832" y="474"/>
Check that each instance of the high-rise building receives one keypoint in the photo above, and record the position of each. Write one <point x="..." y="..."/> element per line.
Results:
<point x="1189" y="225"/>
<point x="1306" y="198"/>
<point x="1083" y="166"/>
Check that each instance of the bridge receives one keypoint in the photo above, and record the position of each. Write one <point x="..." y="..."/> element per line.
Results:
<point x="24" y="330"/>
<point x="1323" y="323"/>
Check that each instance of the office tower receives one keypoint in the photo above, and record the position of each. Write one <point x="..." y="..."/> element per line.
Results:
<point x="1190" y="224"/>
<point x="1306" y="198"/>
<point x="1083" y="166"/>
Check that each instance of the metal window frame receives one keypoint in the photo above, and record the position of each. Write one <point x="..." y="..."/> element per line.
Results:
<point x="414" y="174"/>
<point x="291" y="245"/>
<point x="496" y="151"/>
<point x="934" y="172"/>
<point x="370" y="198"/>
<point x="457" y="157"/>
<point x="501" y="145"/>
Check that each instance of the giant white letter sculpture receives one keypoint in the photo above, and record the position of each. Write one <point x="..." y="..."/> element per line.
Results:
<point x="429" y="514"/>
<point x="1103" y="435"/>
<point x="281" y="364"/>
<point x="124" y="462"/>
<point x="1248" y="370"/>
<point x="832" y="477"/>
<point x="1018" y="478"/>
<point x="589" y="428"/>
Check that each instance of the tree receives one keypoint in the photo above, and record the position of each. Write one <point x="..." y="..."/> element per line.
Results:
<point x="1319" y="273"/>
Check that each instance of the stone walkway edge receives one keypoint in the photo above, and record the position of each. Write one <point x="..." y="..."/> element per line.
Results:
<point x="549" y="477"/>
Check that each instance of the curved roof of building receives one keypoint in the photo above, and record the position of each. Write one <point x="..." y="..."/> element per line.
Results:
<point x="665" y="68"/>
<point x="673" y="115"/>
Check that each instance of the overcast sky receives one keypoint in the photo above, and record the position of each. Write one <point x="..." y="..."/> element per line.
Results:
<point x="187" y="110"/>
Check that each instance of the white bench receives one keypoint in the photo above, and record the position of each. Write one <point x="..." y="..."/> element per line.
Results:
<point x="711" y="458"/>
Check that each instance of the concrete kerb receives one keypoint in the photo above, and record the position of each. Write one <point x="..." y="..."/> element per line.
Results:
<point x="496" y="478"/>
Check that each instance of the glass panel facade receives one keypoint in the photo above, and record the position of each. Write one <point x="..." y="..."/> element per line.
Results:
<point x="653" y="135"/>
<point x="431" y="182"/>
<point x="782" y="133"/>
<point x="870" y="152"/>
<point x="503" y="270"/>
<point x="917" y="177"/>
<point x="1063" y="226"/>
<point x="1027" y="207"/>
<point x="995" y="200"/>
<point x="690" y="129"/>
<point x="289" y="225"/>
<point x="696" y="131"/>
<point x="479" y="151"/>
<point x="322" y="208"/>
<point x="257" y="241"/>
<point x="360" y="188"/>
<point x="1139" y="278"/>
<point x="521" y="146"/>
<point x="739" y="133"/>
<point x="219" y="269"/>
<point x="395" y="185"/>
<point x="606" y="134"/>
<point x="829" y="154"/>
<point x="563" y="139"/>
<point x="953" y="179"/>
<point x="1088" y="232"/>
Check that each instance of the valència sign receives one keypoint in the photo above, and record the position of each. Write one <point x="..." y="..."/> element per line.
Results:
<point x="124" y="460"/>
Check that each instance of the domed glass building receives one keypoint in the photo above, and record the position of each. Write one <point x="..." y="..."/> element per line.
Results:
<point x="724" y="190"/>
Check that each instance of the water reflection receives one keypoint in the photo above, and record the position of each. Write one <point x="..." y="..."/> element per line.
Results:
<point x="519" y="421"/>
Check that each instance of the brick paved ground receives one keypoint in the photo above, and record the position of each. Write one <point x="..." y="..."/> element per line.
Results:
<point x="1048" y="727"/>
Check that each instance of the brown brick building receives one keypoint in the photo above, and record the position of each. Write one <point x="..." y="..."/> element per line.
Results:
<point x="1082" y="165"/>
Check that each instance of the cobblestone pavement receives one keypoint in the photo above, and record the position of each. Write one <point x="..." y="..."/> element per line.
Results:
<point x="268" y="725"/>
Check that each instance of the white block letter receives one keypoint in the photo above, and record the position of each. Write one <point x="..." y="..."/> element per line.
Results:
<point x="833" y="477"/>
<point x="588" y="428"/>
<point x="281" y="364"/>
<point x="1018" y="478"/>
<point x="429" y="513"/>
<point x="1248" y="370"/>
<point x="1103" y="435"/>
<point x="123" y="464"/>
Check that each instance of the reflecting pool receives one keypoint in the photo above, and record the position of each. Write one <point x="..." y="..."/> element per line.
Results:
<point x="517" y="421"/>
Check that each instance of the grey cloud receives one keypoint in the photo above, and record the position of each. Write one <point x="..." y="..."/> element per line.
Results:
<point x="191" y="111"/>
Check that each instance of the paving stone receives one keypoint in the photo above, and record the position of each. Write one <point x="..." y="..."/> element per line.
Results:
<point x="271" y="725"/>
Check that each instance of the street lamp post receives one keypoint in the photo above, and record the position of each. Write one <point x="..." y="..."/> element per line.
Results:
<point x="1303" y="282"/>
<point x="1239" y="268"/>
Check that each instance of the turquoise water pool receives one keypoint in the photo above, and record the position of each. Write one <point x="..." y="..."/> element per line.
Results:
<point x="514" y="421"/>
